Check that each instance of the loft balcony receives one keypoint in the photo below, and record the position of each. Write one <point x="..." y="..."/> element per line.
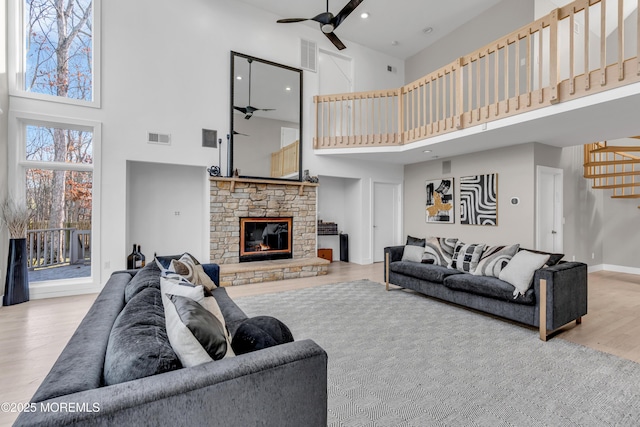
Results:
<point x="569" y="78"/>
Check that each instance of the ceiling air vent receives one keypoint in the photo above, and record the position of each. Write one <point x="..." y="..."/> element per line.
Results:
<point x="159" y="138"/>
<point x="308" y="55"/>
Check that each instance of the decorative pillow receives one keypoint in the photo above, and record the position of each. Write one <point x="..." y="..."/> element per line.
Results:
<point x="175" y="284"/>
<point x="553" y="258"/>
<point x="147" y="277"/>
<point x="466" y="256"/>
<point x="189" y="267"/>
<point x="412" y="253"/>
<point x="196" y="335"/>
<point x="260" y="332"/>
<point x="439" y="249"/>
<point x="414" y="241"/>
<point x="494" y="259"/>
<point x="138" y="344"/>
<point x="520" y="270"/>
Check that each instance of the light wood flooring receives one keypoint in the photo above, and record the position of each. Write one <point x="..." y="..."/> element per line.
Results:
<point x="33" y="334"/>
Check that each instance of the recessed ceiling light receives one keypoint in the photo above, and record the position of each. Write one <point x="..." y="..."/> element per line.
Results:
<point x="239" y="78"/>
<point x="364" y="15"/>
<point x="428" y="30"/>
<point x="426" y="151"/>
<point x="288" y="89"/>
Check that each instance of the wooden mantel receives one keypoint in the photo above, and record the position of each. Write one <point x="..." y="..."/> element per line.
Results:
<point x="233" y="182"/>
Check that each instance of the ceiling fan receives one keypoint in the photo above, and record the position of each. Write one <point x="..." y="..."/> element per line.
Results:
<point x="328" y="21"/>
<point x="249" y="109"/>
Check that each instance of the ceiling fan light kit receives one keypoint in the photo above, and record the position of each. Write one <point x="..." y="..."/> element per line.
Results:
<point x="328" y="21"/>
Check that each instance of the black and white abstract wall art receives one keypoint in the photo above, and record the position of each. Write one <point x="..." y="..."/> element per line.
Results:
<point x="439" y="206"/>
<point x="479" y="199"/>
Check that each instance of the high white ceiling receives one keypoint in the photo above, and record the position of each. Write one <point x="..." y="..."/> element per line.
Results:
<point x="401" y="21"/>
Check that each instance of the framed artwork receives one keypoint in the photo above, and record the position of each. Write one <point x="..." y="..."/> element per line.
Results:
<point x="439" y="207"/>
<point x="479" y="199"/>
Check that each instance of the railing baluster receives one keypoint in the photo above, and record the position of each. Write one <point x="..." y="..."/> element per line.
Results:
<point x="506" y="76"/>
<point x="638" y="38"/>
<point x="572" y="78"/>
<point x="620" y="40"/>
<point x="587" y="67"/>
<point x="603" y="42"/>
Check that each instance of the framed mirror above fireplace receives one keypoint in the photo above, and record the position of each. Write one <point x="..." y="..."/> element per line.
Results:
<point x="266" y="119"/>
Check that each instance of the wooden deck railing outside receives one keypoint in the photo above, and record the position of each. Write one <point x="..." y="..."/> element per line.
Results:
<point x="57" y="246"/>
<point x="574" y="51"/>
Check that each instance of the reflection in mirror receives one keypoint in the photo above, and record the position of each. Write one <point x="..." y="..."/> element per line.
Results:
<point x="266" y="118"/>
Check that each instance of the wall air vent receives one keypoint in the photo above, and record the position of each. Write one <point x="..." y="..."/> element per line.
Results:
<point x="308" y="55"/>
<point x="159" y="138"/>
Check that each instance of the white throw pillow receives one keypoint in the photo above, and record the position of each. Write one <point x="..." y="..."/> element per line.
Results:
<point x="413" y="253"/>
<point x="520" y="270"/>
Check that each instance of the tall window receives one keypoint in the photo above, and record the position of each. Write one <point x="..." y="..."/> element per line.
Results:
<point x="59" y="51"/>
<point x="58" y="177"/>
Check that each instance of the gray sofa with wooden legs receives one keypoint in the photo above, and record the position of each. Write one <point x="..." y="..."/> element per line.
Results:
<point x="558" y="295"/>
<point x="283" y="385"/>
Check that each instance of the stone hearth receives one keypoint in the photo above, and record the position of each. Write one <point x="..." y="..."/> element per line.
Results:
<point x="233" y="198"/>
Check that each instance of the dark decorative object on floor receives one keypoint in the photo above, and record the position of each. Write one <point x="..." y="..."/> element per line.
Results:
<point x="16" y="288"/>
<point x="16" y="218"/>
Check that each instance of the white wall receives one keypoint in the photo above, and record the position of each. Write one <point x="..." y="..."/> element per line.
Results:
<point x="496" y="22"/>
<point x="165" y="214"/>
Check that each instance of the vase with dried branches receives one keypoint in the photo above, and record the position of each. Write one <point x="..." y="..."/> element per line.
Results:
<point x="16" y="217"/>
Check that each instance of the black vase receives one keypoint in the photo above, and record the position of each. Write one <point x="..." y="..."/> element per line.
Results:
<point x="16" y="288"/>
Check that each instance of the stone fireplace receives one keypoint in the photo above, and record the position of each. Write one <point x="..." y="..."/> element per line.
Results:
<point x="291" y="203"/>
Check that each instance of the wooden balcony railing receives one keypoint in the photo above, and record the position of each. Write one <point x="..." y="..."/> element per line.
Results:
<point x="286" y="161"/>
<point x="586" y="47"/>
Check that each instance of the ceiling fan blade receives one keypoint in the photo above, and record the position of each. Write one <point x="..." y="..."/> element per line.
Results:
<point x="291" y="20"/>
<point x="346" y="11"/>
<point x="267" y="109"/>
<point x="241" y="109"/>
<point x="335" y="40"/>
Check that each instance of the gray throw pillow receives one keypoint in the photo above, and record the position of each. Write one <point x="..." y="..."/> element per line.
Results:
<point x="439" y="249"/>
<point x="412" y="253"/>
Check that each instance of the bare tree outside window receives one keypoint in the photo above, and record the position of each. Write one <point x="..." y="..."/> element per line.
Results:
<point x="59" y="62"/>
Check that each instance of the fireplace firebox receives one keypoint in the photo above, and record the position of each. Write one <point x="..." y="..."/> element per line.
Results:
<point x="266" y="239"/>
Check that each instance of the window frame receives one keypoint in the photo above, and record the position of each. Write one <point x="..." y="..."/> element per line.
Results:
<point x="17" y="57"/>
<point x="18" y="164"/>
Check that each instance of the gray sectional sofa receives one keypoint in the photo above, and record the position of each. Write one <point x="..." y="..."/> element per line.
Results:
<point x="283" y="385"/>
<point x="558" y="295"/>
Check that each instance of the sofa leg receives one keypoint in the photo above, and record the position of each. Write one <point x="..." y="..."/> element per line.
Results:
<point x="386" y="270"/>
<point x="543" y="310"/>
<point x="579" y="320"/>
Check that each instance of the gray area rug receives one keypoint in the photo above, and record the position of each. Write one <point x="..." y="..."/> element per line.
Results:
<point x="400" y="359"/>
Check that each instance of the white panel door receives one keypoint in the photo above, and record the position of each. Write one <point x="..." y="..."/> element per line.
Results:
<point x="549" y="209"/>
<point x="385" y="218"/>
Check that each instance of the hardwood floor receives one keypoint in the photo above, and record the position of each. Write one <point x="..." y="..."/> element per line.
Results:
<point x="33" y="334"/>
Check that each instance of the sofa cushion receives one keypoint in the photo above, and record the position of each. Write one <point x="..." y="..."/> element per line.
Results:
<point x="466" y="256"/>
<point x="490" y="287"/>
<point x="260" y="332"/>
<point x="412" y="253"/>
<point x="138" y="344"/>
<point x="494" y="259"/>
<point x="147" y="277"/>
<point x="440" y="250"/>
<point x="233" y="315"/>
<point x="430" y="272"/>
